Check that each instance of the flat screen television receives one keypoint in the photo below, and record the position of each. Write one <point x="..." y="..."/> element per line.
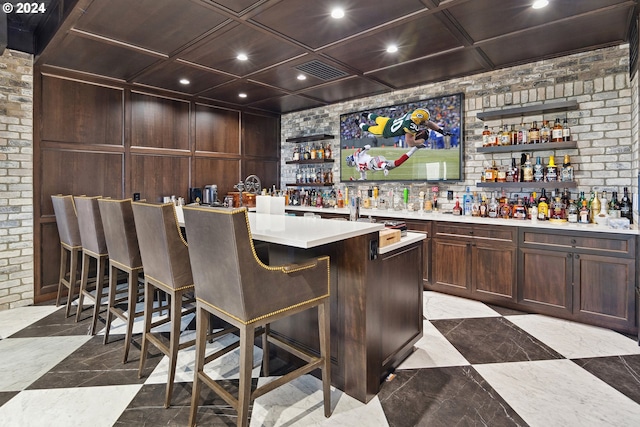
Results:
<point x="440" y="159"/>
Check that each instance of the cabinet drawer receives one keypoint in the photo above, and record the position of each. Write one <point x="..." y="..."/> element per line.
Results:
<point x="449" y="229"/>
<point x="583" y="242"/>
<point x="492" y="232"/>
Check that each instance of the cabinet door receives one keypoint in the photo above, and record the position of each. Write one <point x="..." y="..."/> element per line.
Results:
<point x="546" y="281"/>
<point x="494" y="271"/>
<point x="604" y="290"/>
<point x="451" y="266"/>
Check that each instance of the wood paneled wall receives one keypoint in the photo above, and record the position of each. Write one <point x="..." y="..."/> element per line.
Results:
<point x="95" y="137"/>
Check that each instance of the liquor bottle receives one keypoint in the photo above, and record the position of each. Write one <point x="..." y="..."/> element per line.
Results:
<point x="614" y="206"/>
<point x="602" y="217"/>
<point x="505" y="136"/>
<point x="538" y="171"/>
<point x="486" y="135"/>
<point x="583" y="215"/>
<point x="551" y="171"/>
<point x="467" y="201"/>
<point x="340" y="199"/>
<point x="457" y="210"/>
<point x="513" y="174"/>
<point x="501" y="174"/>
<point x="534" y="133"/>
<point x="566" y="131"/>
<point x="483" y="207"/>
<point x="328" y="154"/>
<point x="626" y="208"/>
<point x="307" y="153"/>
<point x="543" y="206"/>
<point x="513" y="135"/>
<point x="492" y="208"/>
<point x="504" y="207"/>
<point x="475" y="205"/>
<point x="296" y="153"/>
<point x="566" y="173"/>
<point x="532" y="212"/>
<point x="594" y="209"/>
<point x="527" y="170"/>
<point x="312" y="153"/>
<point x="320" y="152"/>
<point x="556" y="132"/>
<point x="520" y="211"/>
<point x="572" y="212"/>
<point x="557" y="211"/>
<point x="545" y="132"/>
<point x="523" y="134"/>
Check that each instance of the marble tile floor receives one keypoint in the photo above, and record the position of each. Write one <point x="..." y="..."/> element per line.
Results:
<point x="475" y="365"/>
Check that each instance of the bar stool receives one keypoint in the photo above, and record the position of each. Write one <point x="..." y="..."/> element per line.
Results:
<point x="233" y="284"/>
<point x="124" y="255"/>
<point x="94" y="247"/>
<point x="165" y="258"/>
<point x="70" y="246"/>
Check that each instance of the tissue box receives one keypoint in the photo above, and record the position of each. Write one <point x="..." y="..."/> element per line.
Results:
<point x="270" y="205"/>
<point x="388" y="237"/>
<point x="621" y="223"/>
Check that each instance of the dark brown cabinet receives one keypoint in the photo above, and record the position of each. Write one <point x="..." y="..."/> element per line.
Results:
<point x="477" y="261"/>
<point x="588" y="277"/>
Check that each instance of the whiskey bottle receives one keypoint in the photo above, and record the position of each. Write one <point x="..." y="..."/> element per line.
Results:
<point x="626" y="208"/>
<point x="556" y="132"/>
<point x="545" y="132"/>
<point x="483" y="207"/>
<point x="566" y="131"/>
<point x="551" y="171"/>
<point x="513" y="135"/>
<point x="566" y="173"/>
<point x="327" y="152"/>
<point x="492" y="209"/>
<point x="523" y="134"/>
<point x="505" y="136"/>
<point x="572" y="212"/>
<point x="583" y="215"/>
<point x="527" y="170"/>
<point x="534" y="133"/>
<point x="538" y="171"/>
<point x="543" y="206"/>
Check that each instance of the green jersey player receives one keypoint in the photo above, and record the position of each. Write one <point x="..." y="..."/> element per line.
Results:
<point x="408" y="126"/>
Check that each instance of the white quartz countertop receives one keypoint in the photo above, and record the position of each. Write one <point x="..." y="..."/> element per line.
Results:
<point x="305" y="232"/>
<point x="437" y="216"/>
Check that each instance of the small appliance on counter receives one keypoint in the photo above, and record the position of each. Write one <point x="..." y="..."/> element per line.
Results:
<point x="397" y="225"/>
<point x="210" y="194"/>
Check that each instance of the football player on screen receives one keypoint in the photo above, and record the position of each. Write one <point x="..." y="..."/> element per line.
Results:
<point x="407" y="125"/>
<point x="363" y="161"/>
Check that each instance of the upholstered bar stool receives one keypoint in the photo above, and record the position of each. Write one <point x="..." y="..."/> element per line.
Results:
<point x="233" y="284"/>
<point x="124" y="255"/>
<point x="94" y="247"/>
<point x="70" y="246"/>
<point x="165" y="258"/>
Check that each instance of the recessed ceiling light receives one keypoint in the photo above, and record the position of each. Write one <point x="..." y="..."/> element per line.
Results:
<point x="337" y="13"/>
<point x="539" y="4"/>
<point x="301" y="77"/>
<point x="242" y="57"/>
<point x="242" y="95"/>
<point x="184" y="81"/>
<point x="392" y="48"/>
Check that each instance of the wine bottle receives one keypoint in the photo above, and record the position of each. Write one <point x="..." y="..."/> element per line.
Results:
<point x="626" y="208"/>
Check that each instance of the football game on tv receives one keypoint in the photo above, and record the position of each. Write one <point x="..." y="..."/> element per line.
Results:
<point x="417" y="141"/>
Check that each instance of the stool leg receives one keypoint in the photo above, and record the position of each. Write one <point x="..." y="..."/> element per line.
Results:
<point x="131" y="311"/>
<point x="86" y="260"/>
<point x="63" y="273"/>
<point x="323" y="327"/>
<point x="148" y="312"/>
<point x="100" y="270"/>
<point x="202" y="326"/>
<point x="113" y="273"/>
<point x="247" y="335"/>
<point x="265" y="350"/>
<point x="174" y="342"/>
<point x="73" y="278"/>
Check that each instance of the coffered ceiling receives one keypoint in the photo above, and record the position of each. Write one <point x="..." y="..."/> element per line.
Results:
<point x="155" y="43"/>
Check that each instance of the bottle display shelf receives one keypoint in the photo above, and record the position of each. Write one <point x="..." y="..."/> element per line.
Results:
<point x="565" y="145"/>
<point x="311" y="184"/>
<point x="530" y="110"/>
<point x="309" y="161"/>
<point x="309" y="138"/>
<point x="552" y="185"/>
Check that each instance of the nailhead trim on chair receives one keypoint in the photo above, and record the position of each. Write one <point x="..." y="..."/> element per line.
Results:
<point x="167" y="286"/>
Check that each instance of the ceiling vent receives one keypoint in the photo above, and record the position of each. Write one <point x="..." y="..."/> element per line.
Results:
<point x="321" y="70"/>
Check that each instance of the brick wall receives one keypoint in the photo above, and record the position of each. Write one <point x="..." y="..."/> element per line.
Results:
<point x="16" y="179"/>
<point x="605" y="125"/>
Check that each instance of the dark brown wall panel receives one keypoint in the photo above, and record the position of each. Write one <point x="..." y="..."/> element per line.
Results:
<point x="157" y="176"/>
<point x="49" y="254"/>
<point x="260" y="136"/>
<point x="78" y="172"/>
<point x="217" y="130"/>
<point x="266" y="170"/>
<point x="80" y="112"/>
<point x="159" y="122"/>
<point x="225" y="173"/>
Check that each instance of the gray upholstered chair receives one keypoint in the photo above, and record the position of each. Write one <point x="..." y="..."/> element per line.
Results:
<point x="124" y="255"/>
<point x="70" y="247"/>
<point x="94" y="247"/>
<point x="165" y="258"/>
<point x="233" y="284"/>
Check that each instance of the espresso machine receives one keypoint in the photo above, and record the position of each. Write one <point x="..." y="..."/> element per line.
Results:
<point x="210" y="195"/>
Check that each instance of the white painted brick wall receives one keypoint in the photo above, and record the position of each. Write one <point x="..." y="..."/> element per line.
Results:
<point x="16" y="180"/>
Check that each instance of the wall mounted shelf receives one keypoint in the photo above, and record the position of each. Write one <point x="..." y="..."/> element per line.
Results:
<point x="530" y="110"/>
<point x="552" y="185"/>
<point x="566" y="145"/>
<point x="310" y="138"/>
<point x="309" y="161"/>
